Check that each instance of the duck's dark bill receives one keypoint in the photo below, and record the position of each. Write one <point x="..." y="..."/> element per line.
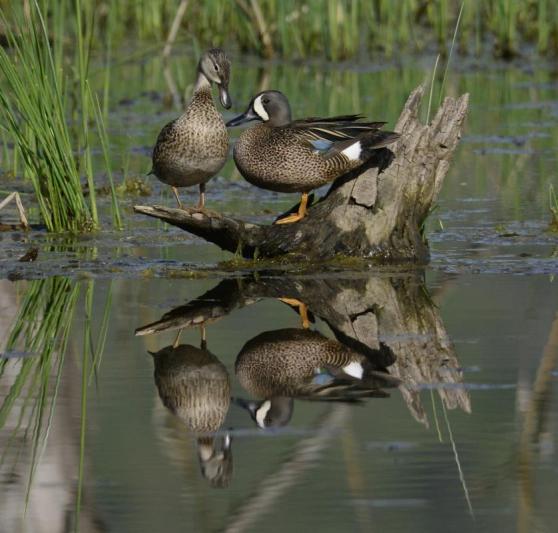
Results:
<point x="225" y="97"/>
<point x="242" y="119"/>
<point x="250" y="406"/>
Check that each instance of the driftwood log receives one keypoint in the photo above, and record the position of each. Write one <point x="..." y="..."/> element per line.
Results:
<point x="390" y="320"/>
<point x="377" y="213"/>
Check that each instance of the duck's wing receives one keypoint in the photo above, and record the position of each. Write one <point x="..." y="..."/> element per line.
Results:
<point x="167" y="133"/>
<point x="347" y="383"/>
<point x="334" y="128"/>
<point x="343" y="390"/>
<point x="344" y="138"/>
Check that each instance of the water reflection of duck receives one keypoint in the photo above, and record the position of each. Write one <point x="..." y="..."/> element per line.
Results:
<point x="194" y="385"/>
<point x="277" y="366"/>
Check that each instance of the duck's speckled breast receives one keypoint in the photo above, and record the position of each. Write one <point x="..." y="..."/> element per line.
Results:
<point x="194" y="147"/>
<point x="194" y="385"/>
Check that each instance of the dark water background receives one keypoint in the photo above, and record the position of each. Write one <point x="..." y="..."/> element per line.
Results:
<point x="466" y="441"/>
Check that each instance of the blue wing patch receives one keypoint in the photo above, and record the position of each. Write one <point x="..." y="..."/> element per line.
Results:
<point x="322" y="377"/>
<point x="321" y="145"/>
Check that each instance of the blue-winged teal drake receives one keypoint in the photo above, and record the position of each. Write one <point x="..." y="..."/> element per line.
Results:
<point x="191" y="149"/>
<point x="277" y="366"/>
<point x="297" y="156"/>
<point x="194" y="385"/>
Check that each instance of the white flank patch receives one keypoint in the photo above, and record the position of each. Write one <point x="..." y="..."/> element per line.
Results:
<point x="354" y="369"/>
<point x="261" y="413"/>
<point x="259" y="108"/>
<point x="353" y="151"/>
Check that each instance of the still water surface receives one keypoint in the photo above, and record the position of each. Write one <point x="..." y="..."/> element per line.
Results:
<point x="454" y="420"/>
<point x="421" y="401"/>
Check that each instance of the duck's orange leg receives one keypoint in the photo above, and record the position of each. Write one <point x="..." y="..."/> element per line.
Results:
<point x="201" y="202"/>
<point x="203" y="338"/>
<point x="177" y="339"/>
<point x="302" y="310"/>
<point x="175" y="191"/>
<point x="295" y="217"/>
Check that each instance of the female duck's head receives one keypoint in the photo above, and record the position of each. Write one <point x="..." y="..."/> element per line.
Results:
<point x="271" y="107"/>
<point x="216" y="67"/>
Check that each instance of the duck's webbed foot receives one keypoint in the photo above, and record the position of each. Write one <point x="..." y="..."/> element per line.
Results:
<point x="295" y="217"/>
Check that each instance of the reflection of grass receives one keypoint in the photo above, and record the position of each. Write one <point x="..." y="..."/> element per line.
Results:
<point x="553" y="204"/>
<point x="457" y="461"/>
<point x="42" y="328"/>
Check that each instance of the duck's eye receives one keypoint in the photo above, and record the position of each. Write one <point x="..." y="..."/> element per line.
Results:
<point x="216" y="67"/>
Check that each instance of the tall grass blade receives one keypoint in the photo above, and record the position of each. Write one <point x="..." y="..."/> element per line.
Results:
<point x="450" y="53"/>
<point x="432" y="81"/>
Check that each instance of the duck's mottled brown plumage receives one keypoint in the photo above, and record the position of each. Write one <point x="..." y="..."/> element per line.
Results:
<point x="297" y="156"/>
<point x="191" y="149"/>
<point x="285" y="362"/>
<point x="194" y="385"/>
<point x="194" y="147"/>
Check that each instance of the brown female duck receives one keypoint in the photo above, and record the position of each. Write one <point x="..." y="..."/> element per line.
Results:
<point x="191" y="149"/>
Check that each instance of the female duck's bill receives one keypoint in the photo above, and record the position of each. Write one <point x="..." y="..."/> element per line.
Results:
<point x="224" y="96"/>
<point x="215" y="66"/>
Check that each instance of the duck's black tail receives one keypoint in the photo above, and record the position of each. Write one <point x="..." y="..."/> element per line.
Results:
<point x="377" y="139"/>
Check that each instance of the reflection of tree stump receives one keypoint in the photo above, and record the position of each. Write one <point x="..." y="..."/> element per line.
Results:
<point x="377" y="214"/>
<point x="390" y="320"/>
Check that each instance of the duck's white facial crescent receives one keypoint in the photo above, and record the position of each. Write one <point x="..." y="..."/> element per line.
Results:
<point x="261" y="413"/>
<point x="259" y="108"/>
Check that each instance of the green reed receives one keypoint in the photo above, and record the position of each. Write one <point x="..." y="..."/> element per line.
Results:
<point x="553" y="206"/>
<point x="336" y="29"/>
<point x="39" y="91"/>
<point x="340" y="29"/>
<point x="504" y="25"/>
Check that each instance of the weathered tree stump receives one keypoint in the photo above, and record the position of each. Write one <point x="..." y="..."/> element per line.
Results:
<point x="376" y="213"/>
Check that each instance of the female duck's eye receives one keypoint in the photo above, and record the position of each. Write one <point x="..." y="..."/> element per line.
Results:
<point x="216" y="67"/>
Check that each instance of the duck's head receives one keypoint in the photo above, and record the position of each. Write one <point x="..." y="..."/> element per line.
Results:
<point x="270" y="413"/>
<point x="271" y="107"/>
<point x="216" y="67"/>
<point x="215" y="457"/>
